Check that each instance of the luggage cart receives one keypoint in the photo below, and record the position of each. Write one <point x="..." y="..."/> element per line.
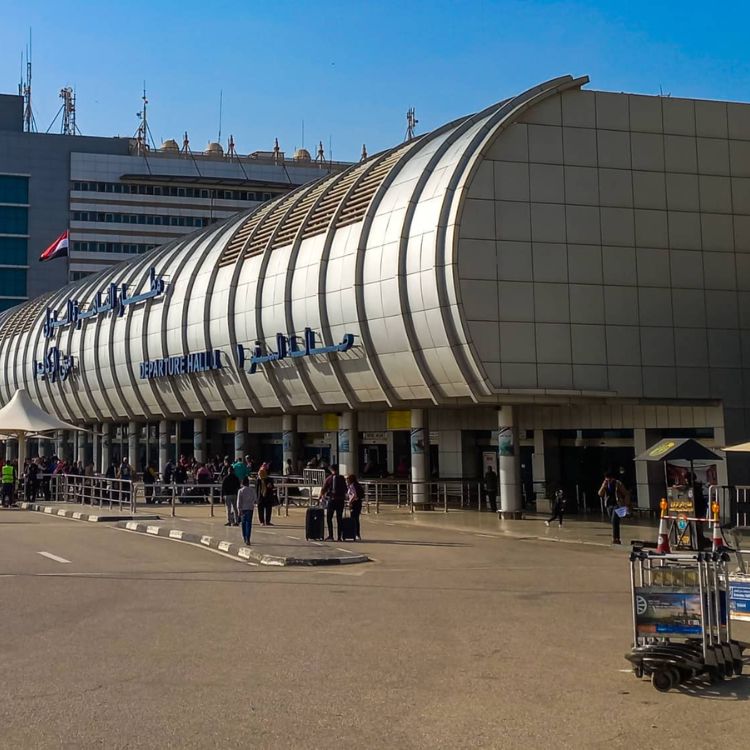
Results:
<point x="681" y="627"/>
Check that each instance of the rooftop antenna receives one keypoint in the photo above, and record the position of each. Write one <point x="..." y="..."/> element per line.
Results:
<point x="276" y="151"/>
<point x="363" y="157"/>
<point x="411" y="123"/>
<point x="320" y="156"/>
<point x="221" y="105"/>
<point x="185" y="144"/>
<point x="231" y="151"/>
<point x="303" y="134"/>
<point x="68" y="111"/>
<point x="68" y="95"/>
<point x="24" y="90"/>
<point x="142" y="133"/>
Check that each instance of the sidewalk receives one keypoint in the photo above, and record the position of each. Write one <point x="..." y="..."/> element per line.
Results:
<point x="591" y="529"/>
<point x="282" y="544"/>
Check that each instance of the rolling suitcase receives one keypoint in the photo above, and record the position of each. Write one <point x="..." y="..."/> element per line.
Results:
<point x="347" y="527"/>
<point x="314" y="522"/>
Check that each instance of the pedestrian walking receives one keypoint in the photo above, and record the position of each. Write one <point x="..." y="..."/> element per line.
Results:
<point x="615" y="498"/>
<point x="264" y="491"/>
<point x="490" y="488"/>
<point x="355" y="494"/>
<point x="124" y="474"/>
<point x="230" y="486"/>
<point x="558" y="508"/>
<point x="333" y="493"/>
<point x="246" y="499"/>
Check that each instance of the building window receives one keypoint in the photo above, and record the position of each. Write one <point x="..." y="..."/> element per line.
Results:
<point x="6" y="304"/>
<point x="14" y="250"/>
<point x="13" y="282"/>
<point x="14" y="189"/>
<point x="14" y="220"/>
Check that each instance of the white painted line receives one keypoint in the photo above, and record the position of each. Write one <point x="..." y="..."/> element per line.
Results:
<point x="152" y="529"/>
<point x="348" y="551"/>
<point x="175" y="534"/>
<point x="225" y="546"/>
<point x="48" y="510"/>
<point x="206" y="540"/>
<point x="61" y="512"/>
<point x="317" y="544"/>
<point x="93" y="519"/>
<point x="53" y="557"/>
<point x="296" y="538"/>
<point x="244" y="552"/>
<point x="77" y="515"/>
<point x="131" y="526"/>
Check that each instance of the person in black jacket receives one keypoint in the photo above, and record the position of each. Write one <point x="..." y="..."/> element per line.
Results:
<point x="230" y="486"/>
<point x="334" y="491"/>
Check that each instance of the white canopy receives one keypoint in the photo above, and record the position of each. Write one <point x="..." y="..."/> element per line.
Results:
<point x="739" y="448"/>
<point x="22" y="415"/>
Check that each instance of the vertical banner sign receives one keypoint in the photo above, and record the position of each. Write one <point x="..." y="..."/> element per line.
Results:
<point x="505" y="446"/>
<point x="417" y="440"/>
<point x="343" y="441"/>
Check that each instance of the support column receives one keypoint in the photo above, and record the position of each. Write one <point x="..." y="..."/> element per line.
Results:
<point x="640" y="444"/>
<point x="106" y="447"/>
<point x="349" y="444"/>
<point x="95" y="444"/>
<point x="59" y="443"/>
<point x="80" y="454"/>
<point x="163" y="445"/>
<point x="420" y="459"/>
<point x="240" y="437"/>
<point x="199" y="428"/>
<point x="289" y="441"/>
<point x="508" y="463"/>
<point x="539" y="473"/>
<point x="133" y="447"/>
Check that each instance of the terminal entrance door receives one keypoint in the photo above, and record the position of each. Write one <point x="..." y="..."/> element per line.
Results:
<point x="583" y="469"/>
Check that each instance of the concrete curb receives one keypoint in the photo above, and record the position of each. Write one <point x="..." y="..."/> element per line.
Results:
<point x="76" y="515"/>
<point x="239" y="551"/>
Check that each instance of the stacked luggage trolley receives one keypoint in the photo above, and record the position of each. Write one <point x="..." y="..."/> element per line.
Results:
<point x="681" y="623"/>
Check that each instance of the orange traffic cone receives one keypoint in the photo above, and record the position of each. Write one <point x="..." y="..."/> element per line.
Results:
<point x="662" y="542"/>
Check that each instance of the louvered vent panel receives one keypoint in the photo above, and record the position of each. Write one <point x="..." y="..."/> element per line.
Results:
<point x="234" y="246"/>
<point x="22" y="319"/>
<point x="268" y="225"/>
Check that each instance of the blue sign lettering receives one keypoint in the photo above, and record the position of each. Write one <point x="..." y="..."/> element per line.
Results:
<point x="290" y="346"/>
<point x="54" y="366"/>
<point x="181" y="364"/>
<point x="115" y="300"/>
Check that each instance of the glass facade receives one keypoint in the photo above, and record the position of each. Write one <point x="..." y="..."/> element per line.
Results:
<point x="14" y="220"/>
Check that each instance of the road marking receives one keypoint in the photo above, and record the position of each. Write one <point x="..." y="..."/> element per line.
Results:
<point x="131" y="526"/>
<point x="296" y="538"/>
<point x="206" y="540"/>
<point x="152" y="529"/>
<point x="225" y="546"/>
<point x="77" y="515"/>
<point x="48" y="509"/>
<point x="348" y="551"/>
<point x="175" y="534"/>
<point x="53" y="557"/>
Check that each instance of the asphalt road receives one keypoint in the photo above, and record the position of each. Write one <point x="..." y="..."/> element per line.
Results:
<point x="447" y="641"/>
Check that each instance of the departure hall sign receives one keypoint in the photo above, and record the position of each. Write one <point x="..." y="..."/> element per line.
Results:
<point x="183" y="364"/>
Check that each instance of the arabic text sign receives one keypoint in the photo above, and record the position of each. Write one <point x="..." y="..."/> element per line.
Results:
<point x="183" y="364"/>
<point x="54" y="366"/>
<point x="290" y="346"/>
<point x="113" y="299"/>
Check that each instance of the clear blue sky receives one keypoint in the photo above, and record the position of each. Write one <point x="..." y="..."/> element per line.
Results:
<point x="351" y="69"/>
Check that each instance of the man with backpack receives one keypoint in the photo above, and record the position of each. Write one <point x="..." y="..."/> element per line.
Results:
<point x="334" y="491"/>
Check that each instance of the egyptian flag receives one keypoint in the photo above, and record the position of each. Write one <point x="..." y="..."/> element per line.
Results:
<point x="58" y="249"/>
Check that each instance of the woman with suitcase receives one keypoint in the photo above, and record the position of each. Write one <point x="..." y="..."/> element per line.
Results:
<point x="355" y="494"/>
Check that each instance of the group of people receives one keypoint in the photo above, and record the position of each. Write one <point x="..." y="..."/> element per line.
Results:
<point x="338" y="493"/>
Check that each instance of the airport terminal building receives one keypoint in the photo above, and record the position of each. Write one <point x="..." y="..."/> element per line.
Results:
<point x="555" y="282"/>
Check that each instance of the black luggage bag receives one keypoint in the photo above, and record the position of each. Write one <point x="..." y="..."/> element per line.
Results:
<point x="347" y="529"/>
<point x="314" y="523"/>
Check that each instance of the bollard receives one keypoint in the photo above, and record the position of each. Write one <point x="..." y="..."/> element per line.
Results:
<point x="445" y="497"/>
<point x="172" y="494"/>
<point x="662" y="545"/>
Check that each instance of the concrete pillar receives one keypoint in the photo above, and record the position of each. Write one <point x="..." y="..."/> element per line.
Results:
<point x="640" y="444"/>
<point x="240" y="437"/>
<point x="289" y="441"/>
<point x="420" y="459"/>
<point x="133" y="447"/>
<point x="59" y="443"/>
<point x="95" y="444"/>
<point x="539" y="473"/>
<point x="106" y="456"/>
<point x="163" y="444"/>
<point x="349" y="444"/>
<point x="509" y="463"/>
<point x="80" y="454"/>
<point x="199" y="428"/>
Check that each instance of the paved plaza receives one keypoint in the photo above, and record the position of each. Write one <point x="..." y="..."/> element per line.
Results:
<point x="458" y="636"/>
